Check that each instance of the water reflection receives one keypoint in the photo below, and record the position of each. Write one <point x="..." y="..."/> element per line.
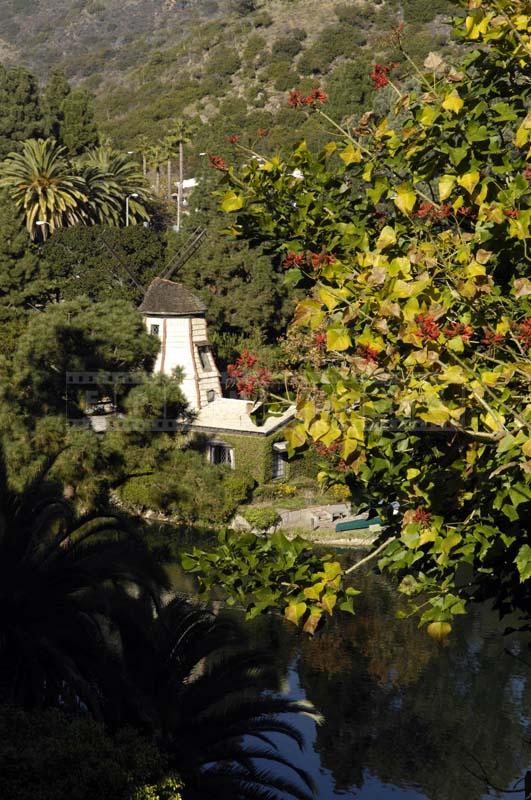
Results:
<point x="406" y="717"/>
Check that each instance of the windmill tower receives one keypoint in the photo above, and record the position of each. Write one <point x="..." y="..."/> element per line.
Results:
<point x="177" y="317"/>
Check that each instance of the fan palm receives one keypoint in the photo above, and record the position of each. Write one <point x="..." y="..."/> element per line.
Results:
<point x="214" y="704"/>
<point x="63" y="585"/>
<point x="119" y="177"/>
<point x="44" y="186"/>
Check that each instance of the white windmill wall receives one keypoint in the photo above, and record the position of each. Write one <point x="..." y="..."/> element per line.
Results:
<point x="181" y="338"/>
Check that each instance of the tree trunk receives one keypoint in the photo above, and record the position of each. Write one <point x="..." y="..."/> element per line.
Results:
<point x="157" y="180"/>
<point x="168" y="177"/>
<point x="144" y="165"/>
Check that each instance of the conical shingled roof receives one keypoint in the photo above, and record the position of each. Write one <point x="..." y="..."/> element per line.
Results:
<point x="170" y="299"/>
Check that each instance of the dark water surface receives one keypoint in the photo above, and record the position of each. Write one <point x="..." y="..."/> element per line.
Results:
<point x="407" y="718"/>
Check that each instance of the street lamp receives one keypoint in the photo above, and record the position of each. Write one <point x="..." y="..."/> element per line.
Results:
<point x="135" y="194"/>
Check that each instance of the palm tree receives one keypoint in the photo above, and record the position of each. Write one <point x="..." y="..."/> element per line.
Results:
<point x="44" y="186"/>
<point x="142" y="143"/>
<point x="121" y="179"/>
<point x="64" y="583"/>
<point x="178" y="136"/>
<point x="213" y="704"/>
<point x="155" y="157"/>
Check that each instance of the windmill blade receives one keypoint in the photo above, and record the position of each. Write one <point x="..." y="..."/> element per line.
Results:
<point x="121" y="262"/>
<point x="186" y="252"/>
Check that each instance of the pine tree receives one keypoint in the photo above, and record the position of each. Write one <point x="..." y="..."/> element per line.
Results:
<point x="78" y="129"/>
<point x="21" y="116"/>
<point x="19" y="263"/>
<point x="55" y="93"/>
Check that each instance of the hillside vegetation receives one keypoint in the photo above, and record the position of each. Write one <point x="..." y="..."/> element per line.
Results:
<point x="229" y="64"/>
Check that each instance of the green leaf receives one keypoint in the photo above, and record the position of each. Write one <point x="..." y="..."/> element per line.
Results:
<point x="523" y="562"/>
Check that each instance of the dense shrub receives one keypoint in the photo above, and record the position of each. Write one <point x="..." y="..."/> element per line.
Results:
<point x="286" y="48"/>
<point x="261" y="519"/>
<point x="189" y="490"/>
<point x="255" y="45"/>
<point x="223" y="62"/>
<point x="45" y="755"/>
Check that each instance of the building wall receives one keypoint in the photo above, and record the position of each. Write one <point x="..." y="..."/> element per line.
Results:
<point x="179" y="338"/>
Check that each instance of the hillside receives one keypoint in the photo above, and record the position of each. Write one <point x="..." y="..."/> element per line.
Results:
<point x="228" y="64"/>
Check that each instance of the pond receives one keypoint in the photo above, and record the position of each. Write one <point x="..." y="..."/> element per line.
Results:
<point x="406" y="717"/>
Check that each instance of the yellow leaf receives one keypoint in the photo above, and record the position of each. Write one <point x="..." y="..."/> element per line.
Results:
<point x="330" y="300"/>
<point x="437" y="414"/>
<point x="405" y="198"/>
<point x="308" y="312"/>
<point x="337" y="339"/>
<point x="489" y="378"/>
<point x="453" y="102"/>
<point x="495" y="423"/>
<point x="319" y="428"/>
<point x="412" y="473"/>
<point x="307" y="413"/>
<point x="386" y="238"/>
<point x="367" y="172"/>
<point x="351" y="155"/>
<point x="428" y="116"/>
<point x="523" y="134"/>
<point x="446" y="184"/>
<point x="469" y="181"/>
<point x="333" y="434"/>
<point x="232" y="202"/>
<point x="295" y="611"/>
<point x="356" y="429"/>
<point x="295" y="436"/>
<point x="453" y="374"/>
<point x="526" y="448"/>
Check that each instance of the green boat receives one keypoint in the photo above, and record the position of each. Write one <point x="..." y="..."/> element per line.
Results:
<point x="357" y="524"/>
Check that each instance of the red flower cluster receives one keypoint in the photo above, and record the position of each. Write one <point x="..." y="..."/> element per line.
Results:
<point x="293" y="260"/>
<point x="218" y="163"/>
<point x="459" y="329"/>
<point x="379" y="75"/>
<point x="307" y="257"/>
<point x="321" y="259"/>
<point x="233" y="138"/>
<point x="428" y="328"/>
<point x="248" y="378"/>
<point x="327" y="451"/>
<point x="467" y="211"/>
<point x="317" y="97"/>
<point x="422" y="516"/>
<point x="430" y="212"/>
<point x="511" y="212"/>
<point x="367" y="353"/>
<point x="524" y="333"/>
<point x="491" y="338"/>
<point x="320" y="340"/>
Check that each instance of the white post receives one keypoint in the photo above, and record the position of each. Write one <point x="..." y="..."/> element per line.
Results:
<point x="135" y="194"/>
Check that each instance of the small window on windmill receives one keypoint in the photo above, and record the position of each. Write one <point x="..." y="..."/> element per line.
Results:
<point x="211" y="396"/>
<point x="154" y="330"/>
<point x="204" y="357"/>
